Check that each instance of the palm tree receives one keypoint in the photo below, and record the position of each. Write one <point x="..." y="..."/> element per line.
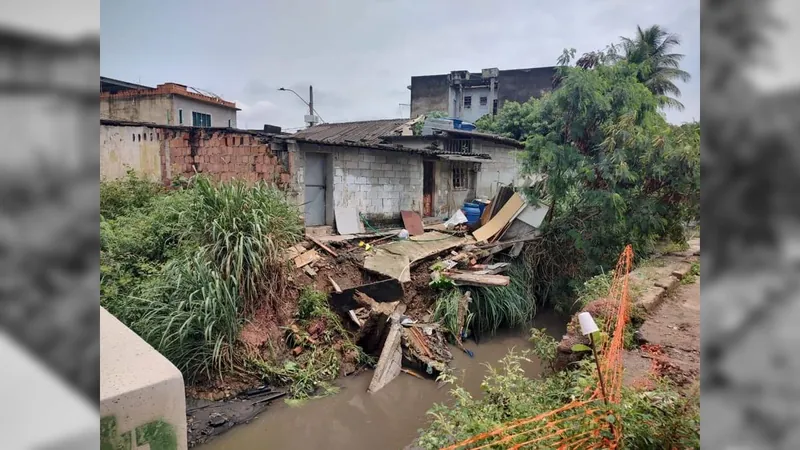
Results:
<point x="651" y="48"/>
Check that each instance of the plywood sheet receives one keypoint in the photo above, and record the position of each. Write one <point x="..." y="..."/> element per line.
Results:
<point x="412" y="222"/>
<point x="532" y="215"/>
<point x="396" y="258"/>
<point x="501" y="219"/>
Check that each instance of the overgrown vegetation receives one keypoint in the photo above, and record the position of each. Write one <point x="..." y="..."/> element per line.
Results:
<point x="184" y="268"/>
<point x="509" y="306"/>
<point x="446" y="311"/>
<point x="691" y="276"/>
<point x="322" y="342"/>
<point x="610" y="167"/>
<point x="661" y="418"/>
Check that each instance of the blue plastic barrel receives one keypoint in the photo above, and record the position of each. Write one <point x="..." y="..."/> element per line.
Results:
<point x="473" y="212"/>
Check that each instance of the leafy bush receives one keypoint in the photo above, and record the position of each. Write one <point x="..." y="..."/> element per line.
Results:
<point x="599" y="286"/>
<point x="692" y="275"/>
<point x="663" y="418"/>
<point x="544" y="346"/>
<point x="504" y="306"/>
<point x="611" y="169"/>
<point x="119" y="197"/>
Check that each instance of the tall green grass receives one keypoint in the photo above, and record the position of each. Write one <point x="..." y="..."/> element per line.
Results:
<point x="505" y="306"/>
<point x="187" y="268"/>
<point x="446" y="311"/>
<point x="191" y="314"/>
<point x="246" y="229"/>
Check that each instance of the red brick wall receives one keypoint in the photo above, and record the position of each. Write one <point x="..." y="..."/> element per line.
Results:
<point x="221" y="154"/>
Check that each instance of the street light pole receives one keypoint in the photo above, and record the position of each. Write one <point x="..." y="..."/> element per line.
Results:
<point x="312" y="112"/>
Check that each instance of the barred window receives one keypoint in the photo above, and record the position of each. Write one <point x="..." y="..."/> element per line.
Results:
<point x="461" y="175"/>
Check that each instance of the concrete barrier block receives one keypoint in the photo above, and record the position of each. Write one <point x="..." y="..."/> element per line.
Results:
<point x="142" y="398"/>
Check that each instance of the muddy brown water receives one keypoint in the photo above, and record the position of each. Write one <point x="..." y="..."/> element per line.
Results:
<point x="388" y="419"/>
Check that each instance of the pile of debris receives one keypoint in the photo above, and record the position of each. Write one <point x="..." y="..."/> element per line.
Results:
<point x="376" y="308"/>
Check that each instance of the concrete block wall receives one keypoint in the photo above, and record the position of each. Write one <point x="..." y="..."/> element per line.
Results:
<point x="378" y="183"/>
<point x="142" y="400"/>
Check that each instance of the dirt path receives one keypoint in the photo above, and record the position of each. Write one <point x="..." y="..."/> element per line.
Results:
<point x="671" y="336"/>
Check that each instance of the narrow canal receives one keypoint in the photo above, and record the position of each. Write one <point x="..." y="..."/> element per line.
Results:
<point x="388" y="419"/>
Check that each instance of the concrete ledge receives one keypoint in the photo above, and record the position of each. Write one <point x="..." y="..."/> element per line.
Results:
<point x="141" y="393"/>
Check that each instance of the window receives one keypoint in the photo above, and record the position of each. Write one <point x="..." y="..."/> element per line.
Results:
<point x="461" y="175"/>
<point x="200" y="119"/>
<point x="494" y="107"/>
<point x="180" y="117"/>
<point x="468" y="101"/>
<point x="458" y="145"/>
<point x="484" y="101"/>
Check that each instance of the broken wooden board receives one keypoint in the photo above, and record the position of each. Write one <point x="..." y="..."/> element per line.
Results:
<point x="322" y="246"/>
<point x="382" y="292"/>
<point x="396" y="258"/>
<point x="347" y="221"/>
<point x="501" y="220"/>
<point x="306" y="258"/>
<point x="295" y="251"/>
<point x="390" y="361"/>
<point x="473" y="279"/>
<point x="533" y="215"/>
<point x="412" y="222"/>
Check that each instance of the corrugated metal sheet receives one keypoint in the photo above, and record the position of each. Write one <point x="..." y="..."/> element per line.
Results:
<point x="366" y="132"/>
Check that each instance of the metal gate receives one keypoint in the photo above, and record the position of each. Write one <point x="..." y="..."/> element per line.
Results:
<point x="315" y="189"/>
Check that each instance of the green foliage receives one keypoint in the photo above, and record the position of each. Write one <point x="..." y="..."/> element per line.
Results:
<point x="544" y="346"/>
<point x="246" y="229"/>
<point x="653" y="420"/>
<point x="691" y="276"/>
<point x="191" y="314"/>
<point x="184" y="268"/>
<point x="614" y="172"/>
<point x="597" y="287"/>
<point x="119" y="197"/>
<point x="504" y="306"/>
<point x="652" y="50"/>
<point x="446" y="311"/>
<point x="310" y="374"/>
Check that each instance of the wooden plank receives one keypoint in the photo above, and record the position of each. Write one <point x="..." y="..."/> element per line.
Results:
<point x="385" y="291"/>
<point x="471" y="279"/>
<point x="322" y="246"/>
<point x="334" y="284"/>
<point x="391" y="359"/>
<point x="295" y="251"/>
<point x="412" y="222"/>
<point x="306" y="258"/>
<point x="487" y="212"/>
<point x="499" y="221"/>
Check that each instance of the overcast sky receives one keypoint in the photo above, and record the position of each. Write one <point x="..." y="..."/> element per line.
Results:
<point x="360" y="56"/>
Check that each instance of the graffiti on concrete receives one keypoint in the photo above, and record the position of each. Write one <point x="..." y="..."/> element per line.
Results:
<point x="158" y="434"/>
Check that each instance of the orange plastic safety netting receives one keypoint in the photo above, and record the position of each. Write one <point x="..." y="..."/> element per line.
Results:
<point x="590" y="421"/>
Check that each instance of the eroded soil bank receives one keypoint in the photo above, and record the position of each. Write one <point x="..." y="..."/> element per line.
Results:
<point x="390" y="418"/>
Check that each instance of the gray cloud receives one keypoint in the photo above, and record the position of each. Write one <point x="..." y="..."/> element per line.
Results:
<point x="360" y="56"/>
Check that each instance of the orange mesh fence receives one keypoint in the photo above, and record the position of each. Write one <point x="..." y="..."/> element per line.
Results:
<point x="589" y="422"/>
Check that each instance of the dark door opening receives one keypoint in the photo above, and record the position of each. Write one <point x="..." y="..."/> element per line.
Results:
<point x="427" y="188"/>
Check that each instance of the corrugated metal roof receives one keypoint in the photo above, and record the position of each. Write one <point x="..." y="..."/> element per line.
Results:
<point x="366" y="132"/>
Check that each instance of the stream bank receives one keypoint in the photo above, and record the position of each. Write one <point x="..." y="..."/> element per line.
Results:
<point x="353" y="419"/>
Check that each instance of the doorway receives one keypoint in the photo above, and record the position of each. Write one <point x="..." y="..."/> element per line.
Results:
<point x="315" y="189"/>
<point x="427" y="188"/>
